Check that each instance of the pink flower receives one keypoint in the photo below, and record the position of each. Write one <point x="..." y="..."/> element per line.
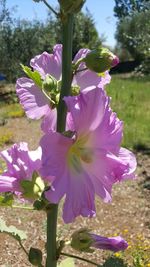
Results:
<point x="91" y="161"/>
<point x="84" y="240"/>
<point x="115" y="244"/>
<point x="21" y="163"/>
<point x="33" y="100"/>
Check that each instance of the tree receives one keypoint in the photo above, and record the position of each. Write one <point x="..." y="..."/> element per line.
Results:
<point x="124" y="8"/>
<point x="133" y="36"/>
<point x="21" y="40"/>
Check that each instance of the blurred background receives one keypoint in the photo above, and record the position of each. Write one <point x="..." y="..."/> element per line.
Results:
<point x="27" y="29"/>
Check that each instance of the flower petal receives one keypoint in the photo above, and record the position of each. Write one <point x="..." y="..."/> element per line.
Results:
<point x="88" y="78"/>
<point x="54" y="154"/>
<point x="31" y="98"/>
<point x="109" y="134"/>
<point x="115" y="244"/>
<point x="79" y="197"/>
<point x="21" y="162"/>
<point x="49" y="63"/>
<point x="129" y="159"/>
<point x="87" y="109"/>
<point x="7" y="183"/>
<point x="49" y="121"/>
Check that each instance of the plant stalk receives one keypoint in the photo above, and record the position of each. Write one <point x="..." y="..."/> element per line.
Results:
<point x="79" y="258"/>
<point x="51" y="260"/>
<point x="67" y="32"/>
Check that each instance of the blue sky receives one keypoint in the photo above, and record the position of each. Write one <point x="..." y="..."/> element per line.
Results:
<point x="102" y="11"/>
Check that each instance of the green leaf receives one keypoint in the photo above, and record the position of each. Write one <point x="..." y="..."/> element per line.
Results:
<point x="34" y="75"/>
<point x="12" y="231"/>
<point x="6" y="199"/>
<point x="67" y="263"/>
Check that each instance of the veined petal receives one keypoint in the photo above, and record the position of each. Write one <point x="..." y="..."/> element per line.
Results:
<point x="58" y="188"/>
<point x="49" y="63"/>
<point x="21" y="163"/>
<point x="31" y="98"/>
<point x="109" y="134"/>
<point x="79" y="197"/>
<point x="49" y="121"/>
<point x="105" y="170"/>
<point x="54" y="154"/>
<point x="8" y="183"/>
<point x="81" y="54"/>
<point x="88" y="78"/>
<point x="129" y="159"/>
<point x="115" y="244"/>
<point x="87" y="109"/>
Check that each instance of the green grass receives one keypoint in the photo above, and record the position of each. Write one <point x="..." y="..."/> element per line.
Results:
<point x="6" y="136"/>
<point x="11" y="111"/>
<point x="131" y="101"/>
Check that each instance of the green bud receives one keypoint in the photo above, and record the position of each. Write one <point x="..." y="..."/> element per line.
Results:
<point x="71" y="6"/>
<point x="75" y="90"/>
<point x="50" y="88"/>
<point x="32" y="189"/>
<point x="49" y="85"/>
<point x="35" y="256"/>
<point x="100" y="60"/>
<point x="81" y="240"/>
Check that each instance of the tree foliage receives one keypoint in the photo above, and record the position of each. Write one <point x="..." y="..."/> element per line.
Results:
<point x="124" y="8"/>
<point x="21" y="40"/>
<point x="133" y="29"/>
<point x="133" y="36"/>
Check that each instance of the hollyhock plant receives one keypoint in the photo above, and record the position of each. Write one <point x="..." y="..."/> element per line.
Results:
<point x="84" y="240"/>
<point x="38" y="103"/>
<point x="21" y="165"/>
<point x="88" y="162"/>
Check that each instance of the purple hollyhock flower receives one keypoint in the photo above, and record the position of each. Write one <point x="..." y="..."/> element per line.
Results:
<point x="33" y="100"/>
<point x="84" y="240"/>
<point x="21" y="164"/>
<point x="115" y="244"/>
<point x="90" y="161"/>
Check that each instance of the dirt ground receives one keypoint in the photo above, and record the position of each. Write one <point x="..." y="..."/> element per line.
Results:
<point x="128" y="212"/>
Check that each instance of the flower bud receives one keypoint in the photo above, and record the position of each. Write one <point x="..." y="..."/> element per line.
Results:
<point x="35" y="256"/>
<point x="100" y="60"/>
<point x="115" y="244"/>
<point x="81" y="240"/>
<point x="49" y="84"/>
<point x="71" y="6"/>
<point x="32" y="189"/>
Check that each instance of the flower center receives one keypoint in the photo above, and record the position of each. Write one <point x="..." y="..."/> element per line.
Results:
<point x="79" y="153"/>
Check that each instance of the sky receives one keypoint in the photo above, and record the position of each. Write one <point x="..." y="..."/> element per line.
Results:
<point x="101" y="10"/>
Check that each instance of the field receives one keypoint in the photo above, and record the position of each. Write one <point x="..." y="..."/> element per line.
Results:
<point x="129" y="213"/>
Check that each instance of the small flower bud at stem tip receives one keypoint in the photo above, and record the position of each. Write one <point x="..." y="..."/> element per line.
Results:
<point x="100" y="60"/>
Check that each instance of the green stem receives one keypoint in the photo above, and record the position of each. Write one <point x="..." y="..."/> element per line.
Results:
<point x="44" y="1"/>
<point x="78" y="258"/>
<point x="51" y="248"/>
<point x="67" y="31"/>
<point x="22" y="207"/>
<point x="23" y="248"/>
